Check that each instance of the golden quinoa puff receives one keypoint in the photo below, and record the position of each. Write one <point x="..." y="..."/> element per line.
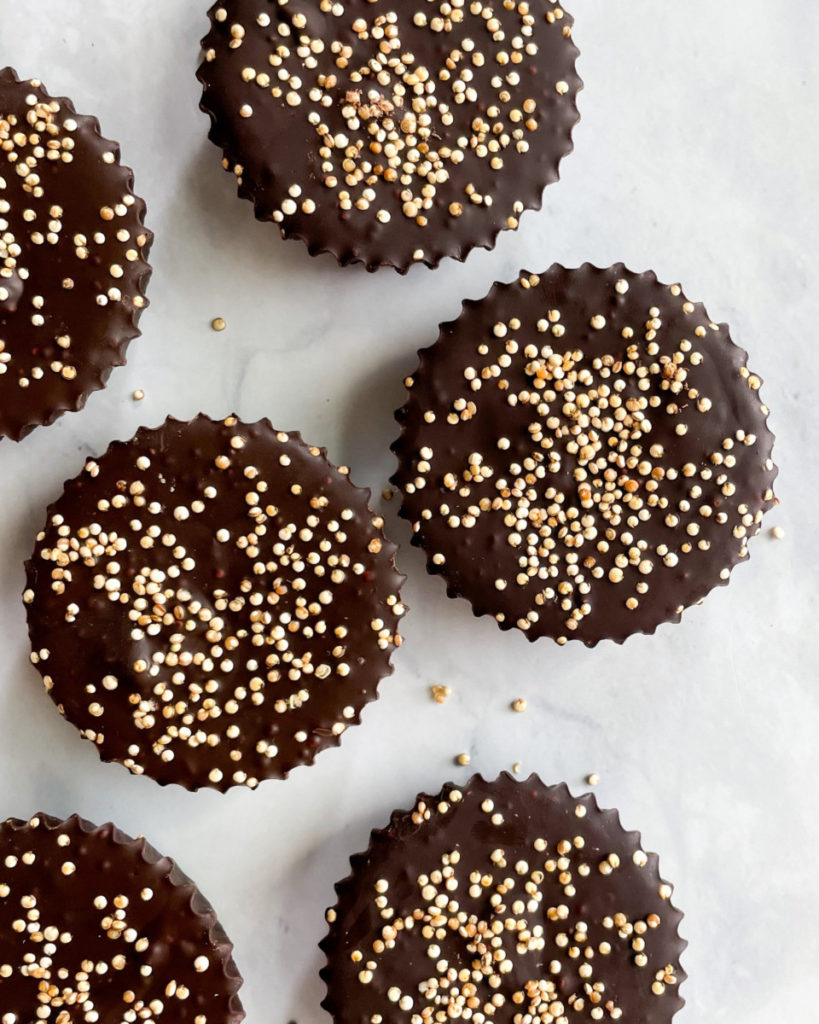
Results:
<point x="73" y="256"/>
<point x="213" y="603"/>
<point x="97" y="928"/>
<point x="503" y="901"/>
<point x="584" y="454"/>
<point x="391" y="134"/>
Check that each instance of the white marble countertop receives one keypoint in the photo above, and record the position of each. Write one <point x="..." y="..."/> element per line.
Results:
<point x="697" y="156"/>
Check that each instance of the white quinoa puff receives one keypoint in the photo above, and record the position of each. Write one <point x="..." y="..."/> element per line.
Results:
<point x="99" y="928"/>
<point x="213" y="603"/>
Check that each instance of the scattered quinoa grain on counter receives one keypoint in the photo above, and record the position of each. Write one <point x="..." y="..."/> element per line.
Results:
<point x="218" y="324"/>
<point x="440" y="693"/>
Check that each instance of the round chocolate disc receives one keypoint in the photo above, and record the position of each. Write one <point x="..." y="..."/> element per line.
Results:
<point x="503" y="901"/>
<point x="584" y="454"/>
<point x="73" y="253"/>
<point x="212" y="603"/>
<point x="98" y="927"/>
<point x="390" y="135"/>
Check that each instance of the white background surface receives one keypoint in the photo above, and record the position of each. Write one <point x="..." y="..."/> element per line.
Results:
<point x="697" y="157"/>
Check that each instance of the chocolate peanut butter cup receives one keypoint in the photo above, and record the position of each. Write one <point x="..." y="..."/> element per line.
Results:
<point x="391" y="134"/>
<point x="212" y="603"/>
<point x="584" y="454"/>
<point x="97" y="928"/>
<point x="503" y="901"/>
<point x="73" y="252"/>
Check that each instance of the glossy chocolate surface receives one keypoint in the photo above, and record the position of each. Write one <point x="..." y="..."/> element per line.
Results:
<point x="98" y="928"/>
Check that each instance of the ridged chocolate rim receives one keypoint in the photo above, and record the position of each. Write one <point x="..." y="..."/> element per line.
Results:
<point x="545" y="168"/>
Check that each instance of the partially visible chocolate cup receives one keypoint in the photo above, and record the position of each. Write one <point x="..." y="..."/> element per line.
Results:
<point x="73" y="256"/>
<point x="503" y="900"/>
<point x="98" y="927"/>
<point x="390" y="135"/>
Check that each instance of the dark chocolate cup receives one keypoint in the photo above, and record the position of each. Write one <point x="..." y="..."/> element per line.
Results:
<point x="680" y="478"/>
<point x="76" y="289"/>
<point x="474" y="191"/>
<point x="213" y="603"/>
<point x="412" y="916"/>
<point x="105" y="899"/>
